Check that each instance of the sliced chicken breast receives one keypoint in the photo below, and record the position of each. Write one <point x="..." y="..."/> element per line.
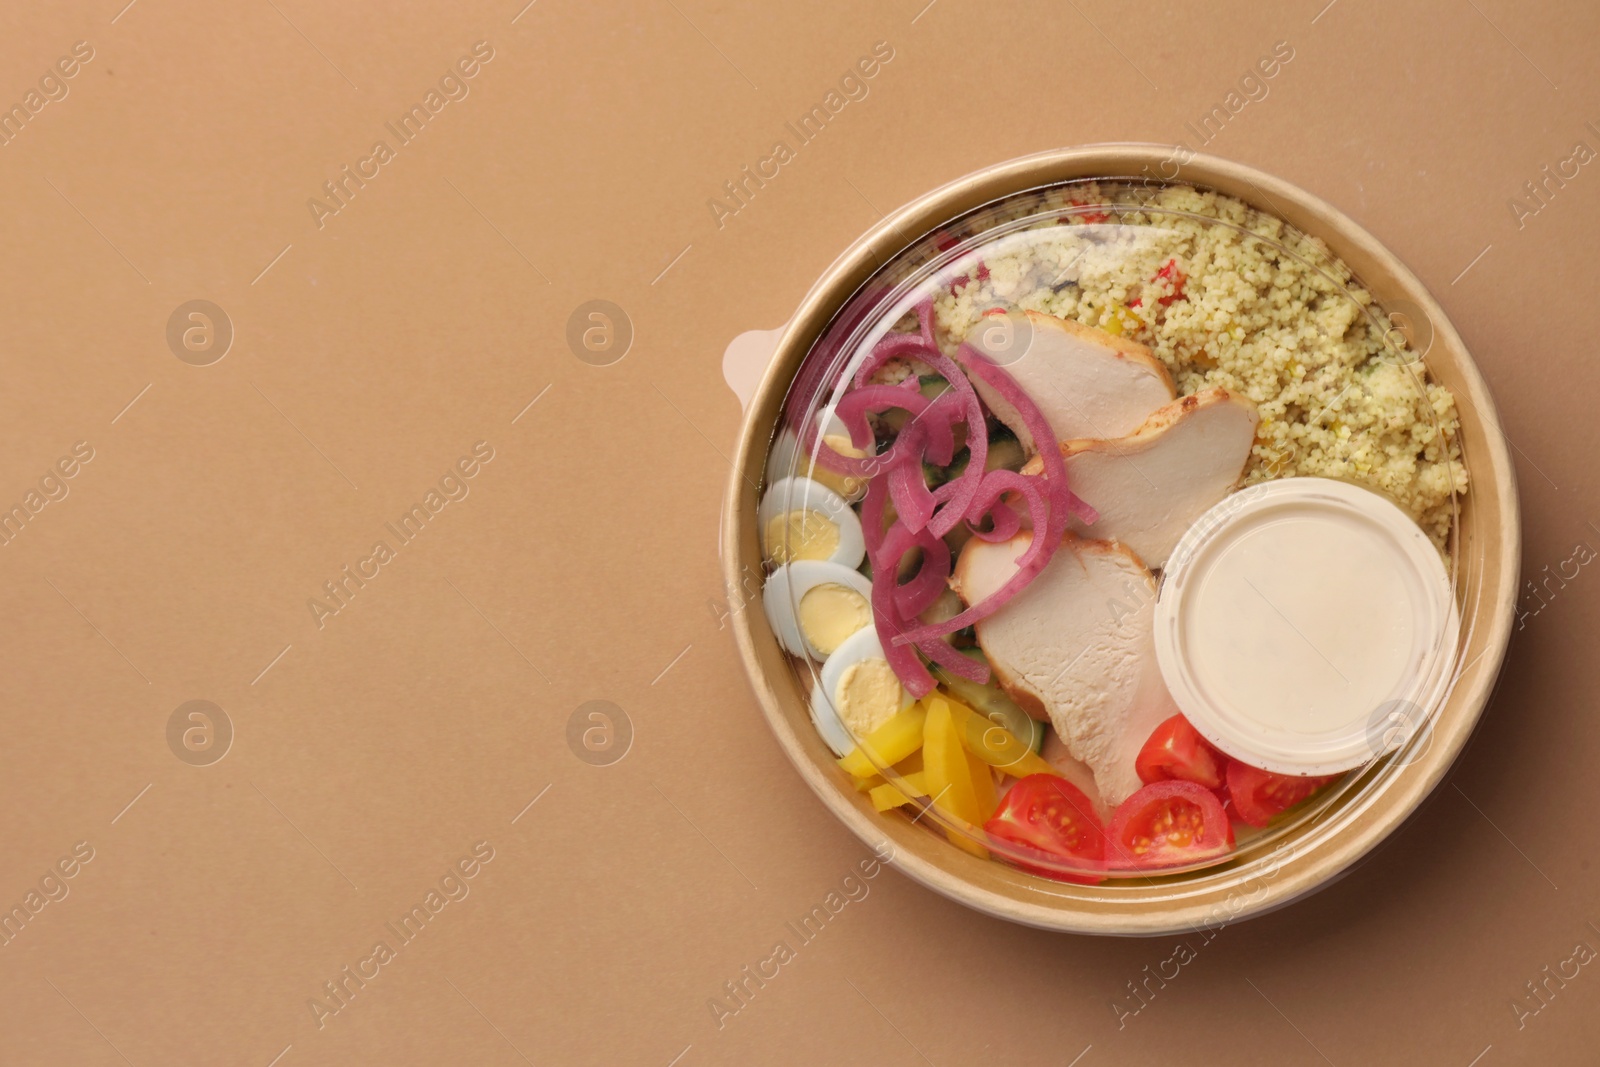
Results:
<point x="1151" y="486"/>
<point x="1078" y="643"/>
<point x="1086" y="382"/>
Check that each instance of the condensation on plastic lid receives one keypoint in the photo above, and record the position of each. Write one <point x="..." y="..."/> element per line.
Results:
<point x="1296" y="616"/>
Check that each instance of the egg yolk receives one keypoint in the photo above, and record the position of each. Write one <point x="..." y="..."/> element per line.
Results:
<point x="802" y="534"/>
<point x="868" y="696"/>
<point x="830" y="612"/>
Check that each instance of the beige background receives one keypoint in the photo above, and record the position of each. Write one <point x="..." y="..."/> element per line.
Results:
<point x="372" y="753"/>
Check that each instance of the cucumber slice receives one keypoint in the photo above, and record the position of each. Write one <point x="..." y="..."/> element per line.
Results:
<point x="937" y="476"/>
<point x="1005" y="451"/>
<point x="990" y="701"/>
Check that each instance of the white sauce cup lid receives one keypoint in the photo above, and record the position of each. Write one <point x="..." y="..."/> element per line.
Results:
<point x="1298" y="619"/>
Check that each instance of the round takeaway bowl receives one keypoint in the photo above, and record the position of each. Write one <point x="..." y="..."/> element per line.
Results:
<point x="1264" y="873"/>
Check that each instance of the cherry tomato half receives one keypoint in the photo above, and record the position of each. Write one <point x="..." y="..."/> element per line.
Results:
<point x="1168" y="824"/>
<point x="1176" y="750"/>
<point x="1258" y="795"/>
<point x="1053" y="818"/>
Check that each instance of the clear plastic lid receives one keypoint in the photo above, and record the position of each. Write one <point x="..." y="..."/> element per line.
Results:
<point x="984" y="467"/>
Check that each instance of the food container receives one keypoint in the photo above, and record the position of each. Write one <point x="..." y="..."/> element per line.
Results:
<point x="1309" y="847"/>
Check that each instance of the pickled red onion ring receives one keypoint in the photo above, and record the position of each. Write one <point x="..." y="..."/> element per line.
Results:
<point x="913" y="500"/>
<point x="872" y="526"/>
<point x="894" y="604"/>
<point x="903" y="659"/>
<point x="1004" y="523"/>
<point x="852" y="411"/>
<point x="936" y="443"/>
<point x="914" y="597"/>
<point x="939" y="421"/>
<point x="947" y="657"/>
<point x="998" y="483"/>
<point x="855" y="405"/>
<point x="990" y="503"/>
<point x="925" y="321"/>
<point x="924" y="516"/>
<point x="1064" y="502"/>
<point x="1038" y="553"/>
<point x="1048" y="509"/>
<point x="965" y="484"/>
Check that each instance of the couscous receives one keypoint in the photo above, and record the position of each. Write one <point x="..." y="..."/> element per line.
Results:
<point x="1338" y="394"/>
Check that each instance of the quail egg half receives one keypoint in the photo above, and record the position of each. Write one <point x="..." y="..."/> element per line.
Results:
<point x="801" y="519"/>
<point x="814" y="605"/>
<point x="856" y="693"/>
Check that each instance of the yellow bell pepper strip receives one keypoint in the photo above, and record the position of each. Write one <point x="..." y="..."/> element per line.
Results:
<point x="1121" y="321"/>
<point x="870" y="782"/>
<point x="982" y="787"/>
<point x="948" y="775"/>
<point x="995" y="745"/>
<point x="889" y="743"/>
<point x="890" y="795"/>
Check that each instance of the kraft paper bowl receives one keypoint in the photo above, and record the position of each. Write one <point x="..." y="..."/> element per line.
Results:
<point x="1259" y="878"/>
